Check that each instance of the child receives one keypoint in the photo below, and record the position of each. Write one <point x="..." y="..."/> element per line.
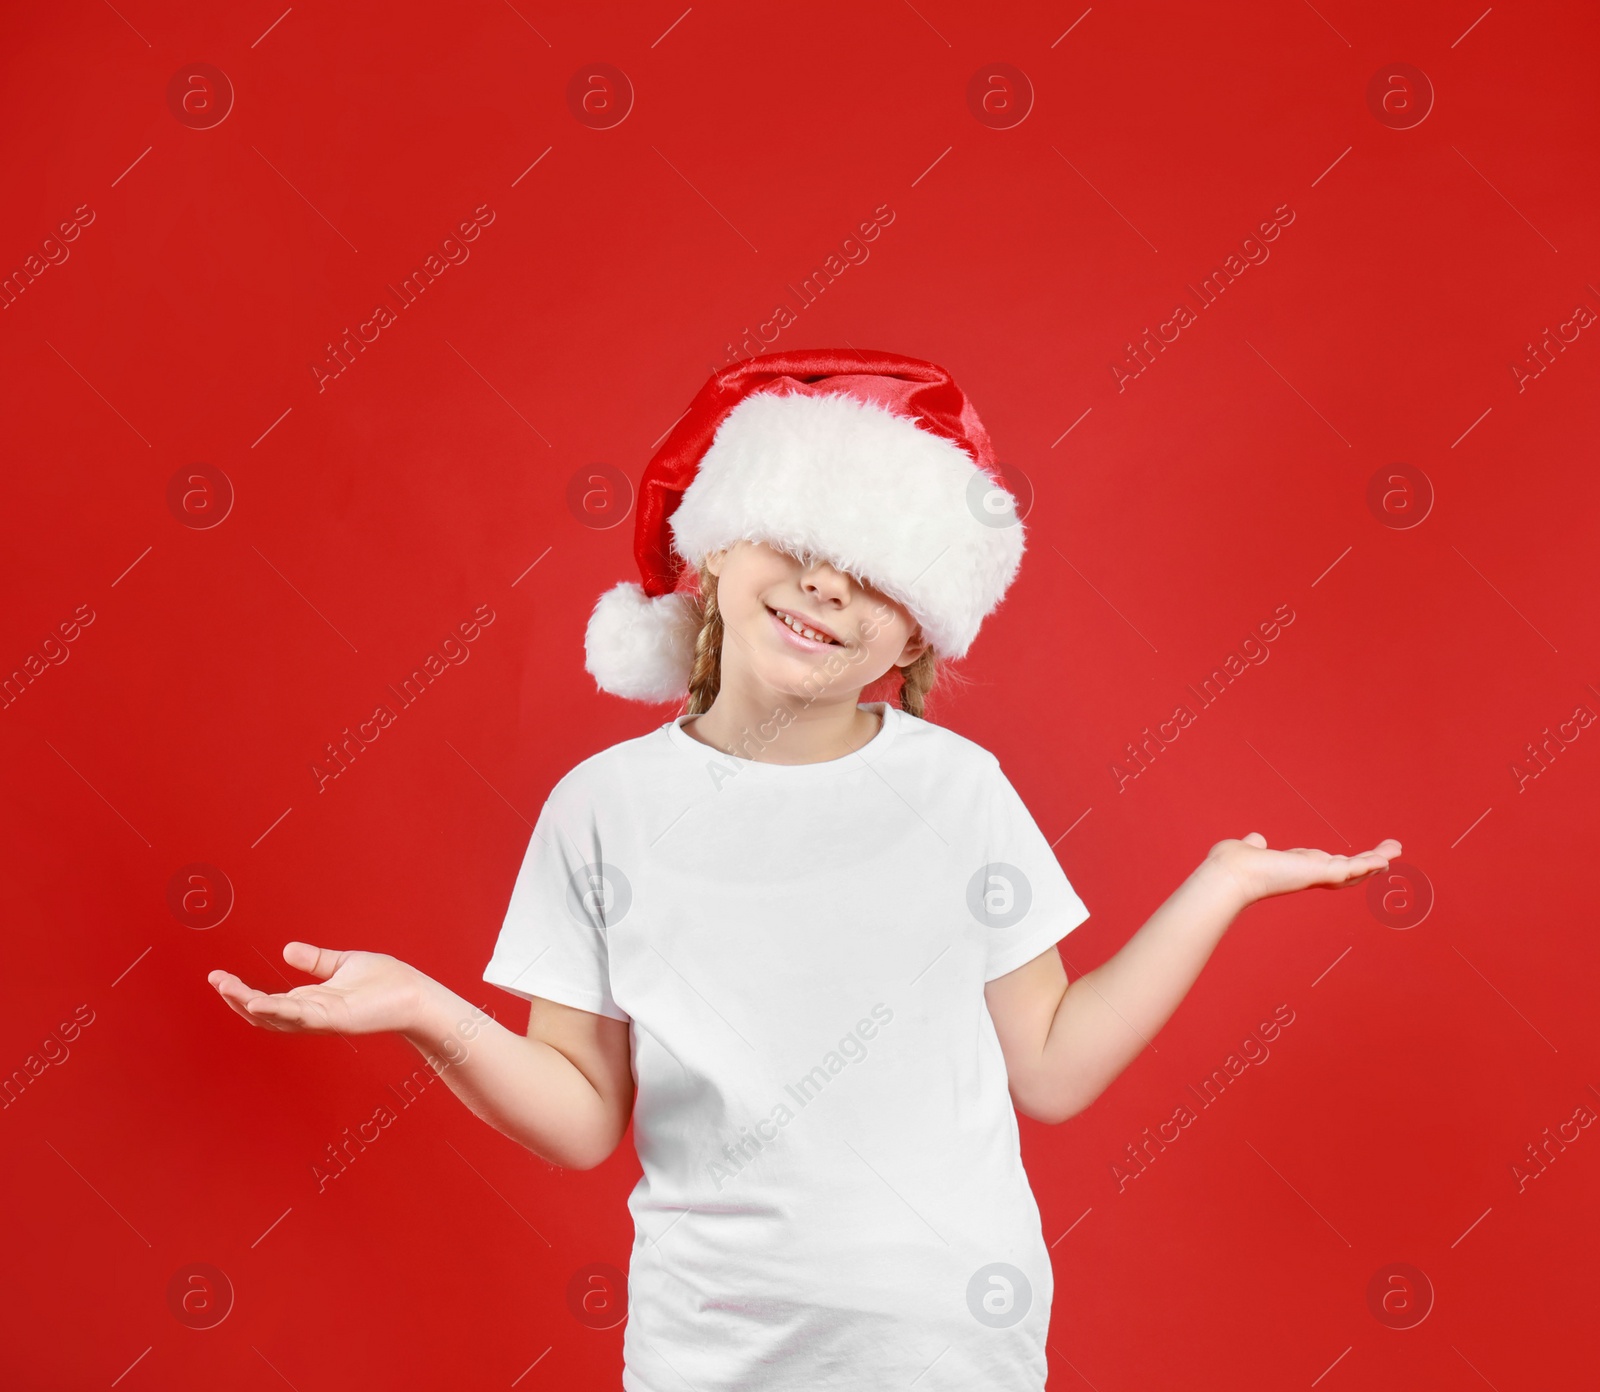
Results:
<point x="806" y="943"/>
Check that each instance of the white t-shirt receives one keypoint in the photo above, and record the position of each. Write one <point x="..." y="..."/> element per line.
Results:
<point x="833" y="1193"/>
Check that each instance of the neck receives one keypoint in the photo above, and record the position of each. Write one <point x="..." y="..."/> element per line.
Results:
<point x="772" y="727"/>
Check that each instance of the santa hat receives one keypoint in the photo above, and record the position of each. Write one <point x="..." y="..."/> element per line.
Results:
<point x="875" y="462"/>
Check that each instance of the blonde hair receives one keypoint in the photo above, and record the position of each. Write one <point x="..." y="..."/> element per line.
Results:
<point x="915" y="681"/>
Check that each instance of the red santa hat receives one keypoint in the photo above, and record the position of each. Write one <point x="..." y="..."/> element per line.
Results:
<point x="875" y="462"/>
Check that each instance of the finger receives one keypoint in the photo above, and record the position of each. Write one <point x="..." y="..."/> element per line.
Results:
<point x="320" y="962"/>
<point x="1387" y="849"/>
<point x="271" y="1015"/>
<point x="1256" y="839"/>
<point x="304" y="1008"/>
<point x="237" y="995"/>
<point x="238" y="1008"/>
<point x="232" y="989"/>
<point x="279" y="1012"/>
<point x="1361" y="867"/>
<point x="219" y="977"/>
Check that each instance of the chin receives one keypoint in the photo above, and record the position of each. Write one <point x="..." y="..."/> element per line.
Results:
<point x="832" y="677"/>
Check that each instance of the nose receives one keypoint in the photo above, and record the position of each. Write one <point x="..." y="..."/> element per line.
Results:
<point x="825" y="584"/>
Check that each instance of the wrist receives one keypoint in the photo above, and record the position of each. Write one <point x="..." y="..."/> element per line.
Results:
<point x="442" y="1024"/>
<point x="429" y="1014"/>
<point x="1219" y="880"/>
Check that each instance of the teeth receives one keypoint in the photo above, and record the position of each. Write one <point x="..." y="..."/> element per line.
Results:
<point x="800" y="628"/>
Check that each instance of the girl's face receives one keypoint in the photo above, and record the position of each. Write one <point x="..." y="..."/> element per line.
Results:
<point x="764" y="593"/>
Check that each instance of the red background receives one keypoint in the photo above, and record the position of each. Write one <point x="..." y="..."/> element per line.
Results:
<point x="621" y="266"/>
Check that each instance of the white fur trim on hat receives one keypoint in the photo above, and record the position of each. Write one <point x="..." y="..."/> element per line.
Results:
<point x="846" y="479"/>
<point x="638" y="647"/>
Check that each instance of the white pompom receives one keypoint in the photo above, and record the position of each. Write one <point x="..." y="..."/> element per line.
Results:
<point x="640" y="648"/>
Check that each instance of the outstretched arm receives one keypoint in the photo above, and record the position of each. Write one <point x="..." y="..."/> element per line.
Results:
<point x="565" y="1091"/>
<point x="1064" y="1044"/>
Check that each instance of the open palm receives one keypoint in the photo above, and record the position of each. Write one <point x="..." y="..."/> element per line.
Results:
<point x="360" y="993"/>
<point x="1261" y="873"/>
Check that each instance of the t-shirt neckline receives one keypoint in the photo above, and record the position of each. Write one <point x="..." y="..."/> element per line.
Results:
<point x="821" y="768"/>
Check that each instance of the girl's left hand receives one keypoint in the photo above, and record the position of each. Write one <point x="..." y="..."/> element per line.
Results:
<point x="1260" y="873"/>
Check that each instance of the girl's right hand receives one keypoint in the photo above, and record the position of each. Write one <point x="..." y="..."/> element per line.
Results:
<point x="360" y="993"/>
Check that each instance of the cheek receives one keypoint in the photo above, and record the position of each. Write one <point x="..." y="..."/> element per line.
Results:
<point x="887" y="640"/>
<point x="743" y="604"/>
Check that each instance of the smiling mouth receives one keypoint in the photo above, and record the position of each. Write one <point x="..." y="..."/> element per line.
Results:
<point x="802" y="630"/>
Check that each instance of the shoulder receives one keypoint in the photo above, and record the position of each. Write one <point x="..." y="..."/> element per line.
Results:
<point x="942" y="745"/>
<point x="625" y="765"/>
<point x="946" y="767"/>
<point x="954" y="780"/>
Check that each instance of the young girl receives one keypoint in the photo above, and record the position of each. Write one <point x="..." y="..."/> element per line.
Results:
<point x="806" y="943"/>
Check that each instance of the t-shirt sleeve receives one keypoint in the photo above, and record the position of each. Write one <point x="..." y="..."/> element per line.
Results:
<point x="1020" y="894"/>
<point x="553" y="941"/>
